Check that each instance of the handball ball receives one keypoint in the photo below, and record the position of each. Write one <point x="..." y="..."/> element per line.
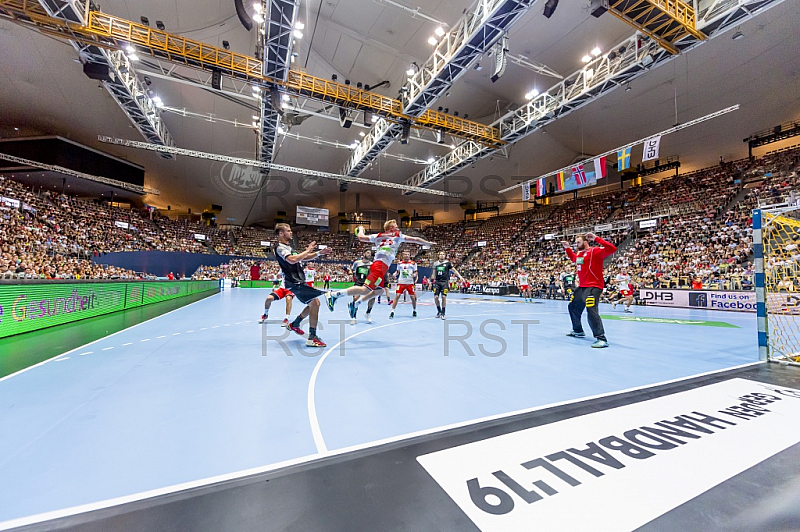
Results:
<point x="359" y="231"/>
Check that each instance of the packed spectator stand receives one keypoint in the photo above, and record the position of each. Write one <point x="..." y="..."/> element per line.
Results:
<point x="704" y="232"/>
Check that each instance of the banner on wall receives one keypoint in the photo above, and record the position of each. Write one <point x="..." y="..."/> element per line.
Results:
<point x="30" y="307"/>
<point x="701" y="299"/>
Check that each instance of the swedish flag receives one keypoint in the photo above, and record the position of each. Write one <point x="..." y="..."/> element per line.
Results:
<point x="623" y="159"/>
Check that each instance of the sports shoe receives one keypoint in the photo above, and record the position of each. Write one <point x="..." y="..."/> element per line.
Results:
<point x="414" y="315"/>
<point x="315" y="342"/>
<point x="263" y="318"/>
<point x="438" y="315"/>
<point x="285" y="323"/>
<point x="351" y="307"/>
<point x="629" y="311"/>
<point x="614" y="304"/>
<point x="600" y="344"/>
<point x="330" y="300"/>
<point x="369" y="317"/>
<point x="389" y="302"/>
<point x="353" y="321"/>
<point x="391" y="315"/>
<point x="296" y="330"/>
<point x="575" y="334"/>
<point x="443" y="317"/>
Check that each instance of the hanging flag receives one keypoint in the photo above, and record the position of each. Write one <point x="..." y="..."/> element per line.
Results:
<point x="623" y="159"/>
<point x="540" y="190"/>
<point x="560" y="181"/>
<point x="651" y="146"/>
<point x="600" y="170"/>
<point x="579" y="175"/>
<point x="526" y="191"/>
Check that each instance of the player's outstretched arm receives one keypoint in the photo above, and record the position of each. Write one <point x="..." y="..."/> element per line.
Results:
<point x="456" y="272"/>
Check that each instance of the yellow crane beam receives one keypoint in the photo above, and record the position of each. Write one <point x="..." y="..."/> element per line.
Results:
<point x="112" y="32"/>
<point x="665" y="21"/>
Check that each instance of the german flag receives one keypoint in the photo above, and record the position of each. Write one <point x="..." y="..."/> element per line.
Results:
<point x="561" y="179"/>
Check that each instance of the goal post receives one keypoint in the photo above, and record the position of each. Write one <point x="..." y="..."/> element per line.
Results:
<point x="776" y="254"/>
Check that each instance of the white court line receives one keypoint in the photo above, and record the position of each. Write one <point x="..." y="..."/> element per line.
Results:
<point x="190" y="331"/>
<point x="319" y="441"/>
<point x="126" y="499"/>
<point x="23" y="370"/>
<point x="145" y="340"/>
<point x="162" y="336"/>
<point x="129" y="343"/>
<point x="107" y="348"/>
<point x="175" y="334"/>
<point x="61" y="359"/>
<point x="203" y="328"/>
<point x="86" y="353"/>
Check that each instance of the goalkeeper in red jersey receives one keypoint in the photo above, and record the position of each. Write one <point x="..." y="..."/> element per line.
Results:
<point x="589" y="263"/>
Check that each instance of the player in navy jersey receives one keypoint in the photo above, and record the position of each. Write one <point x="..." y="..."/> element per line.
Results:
<point x="294" y="277"/>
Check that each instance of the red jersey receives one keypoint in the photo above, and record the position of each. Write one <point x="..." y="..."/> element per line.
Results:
<point x="255" y="272"/>
<point x="590" y="263"/>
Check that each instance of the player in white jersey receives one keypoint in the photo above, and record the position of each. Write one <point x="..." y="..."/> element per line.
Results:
<point x="623" y="281"/>
<point x="388" y="243"/>
<point x="311" y="274"/>
<point x="524" y="285"/>
<point x="406" y="279"/>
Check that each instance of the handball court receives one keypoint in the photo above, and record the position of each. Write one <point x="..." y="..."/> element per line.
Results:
<point x="205" y="391"/>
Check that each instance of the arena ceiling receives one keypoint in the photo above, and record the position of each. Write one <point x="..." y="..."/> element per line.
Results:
<point x="44" y="91"/>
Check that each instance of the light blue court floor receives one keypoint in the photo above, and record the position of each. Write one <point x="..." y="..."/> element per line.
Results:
<point x="202" y="391"/>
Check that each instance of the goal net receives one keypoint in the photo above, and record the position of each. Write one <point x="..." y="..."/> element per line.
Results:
<point x="776" y="247"/>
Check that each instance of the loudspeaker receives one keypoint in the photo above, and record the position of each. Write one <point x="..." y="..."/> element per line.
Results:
<point x="598" y="7"/>
<point x="216" y="80"/>
<point x="550" y="8"/>
<point x="98" y="71"/>
<point x="345" y="118"/>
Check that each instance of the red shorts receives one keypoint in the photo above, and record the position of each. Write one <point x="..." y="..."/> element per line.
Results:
<point x="280" y="293"/>
<point x="405" y="288"/>
<point x="524" y="287"/>
<point x="626" y="293"/>
<point x="377" y="272"/>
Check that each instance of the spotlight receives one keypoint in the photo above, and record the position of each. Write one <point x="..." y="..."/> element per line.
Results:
<point x="334" y="77"/>
<point x="452" y="146"/>
<point x="347" y="82"/>
<point x="628" y="87"/>
<point x="455" y="113"/>
<point x="586" y="58"/>
<point x="160" y="25"/>
<point x="550" y="8"/>
<point x="621" y="50"/>
<point x="431" y="160"/>
<point x="343" y="186"/>
<point x="374" y="119"/>
<point x="612" y="55"/>
<point x="148" y="81"/>
<point x="446" y="110"/>
<point x="532" y="94"/>
<point x="440" y="108"/>
<point x="439" y="31"/>
<point x="361" y="133"/>
<point x="439" y="136"/>
<point x="366" y="88"/>
<point x="432" y="41"/>
<point x="297" y="34"/>
<point x="226" y="45"/>
<point x="466" y="116"/>
<point x="258" y="18"/>
<point x="145" y="21"/>
<point x="478" y="67"/>
<point x="299" y="25"/>
<point x="359" y="85"/>
<point x="596" y="51"/>
<point x="413" y="68"/>
<point x="285" y="97"/>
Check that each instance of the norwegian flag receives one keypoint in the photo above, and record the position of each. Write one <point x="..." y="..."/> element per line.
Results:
<point x="579" y="175"/>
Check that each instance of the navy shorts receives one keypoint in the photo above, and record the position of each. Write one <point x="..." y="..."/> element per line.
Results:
<point x="303" y="292"/>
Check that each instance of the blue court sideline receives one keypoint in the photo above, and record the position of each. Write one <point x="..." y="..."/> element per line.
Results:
<point x="201" y="392"/>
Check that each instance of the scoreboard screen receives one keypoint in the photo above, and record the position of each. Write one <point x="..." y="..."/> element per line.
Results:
<point x="312" y="216"/>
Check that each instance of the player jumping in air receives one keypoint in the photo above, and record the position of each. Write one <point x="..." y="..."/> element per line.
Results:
<point x="524" y="287"/>
<point x="294" y="277"/>
<point x="360" y="273"/>
<point x="388" y="242"/>
<point x="625" y="288"/>
<point x="589" y="263"/>
<point x="441" y="282"/>
<point x="406" y="280"/>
